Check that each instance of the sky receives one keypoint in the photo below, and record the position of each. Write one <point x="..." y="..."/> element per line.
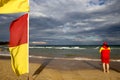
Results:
<point x="69" y="22"/>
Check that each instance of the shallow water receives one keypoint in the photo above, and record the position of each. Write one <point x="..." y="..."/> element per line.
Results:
<point x="72" y="52"/>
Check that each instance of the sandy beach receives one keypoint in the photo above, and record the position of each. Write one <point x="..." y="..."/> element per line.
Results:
<point x="6" y="72"/>
<point x="51" y="69"/>
<point x="57" y="69"/>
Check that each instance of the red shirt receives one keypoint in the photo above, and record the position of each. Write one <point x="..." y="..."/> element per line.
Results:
<point x="105" y="54"/>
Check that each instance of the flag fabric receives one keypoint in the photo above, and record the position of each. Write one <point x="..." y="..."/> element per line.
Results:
<point x="18" y="45"/>
<point x="13" y="6"/>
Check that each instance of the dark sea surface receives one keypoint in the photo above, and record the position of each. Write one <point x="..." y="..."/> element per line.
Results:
<point x="62" y="51"/>
<point x="82" y="51"/>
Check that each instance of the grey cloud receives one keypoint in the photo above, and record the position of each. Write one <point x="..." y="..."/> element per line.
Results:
<point x="71" y="22"/>
<point x="75" y="22"/>
<point x="5" y="21"/>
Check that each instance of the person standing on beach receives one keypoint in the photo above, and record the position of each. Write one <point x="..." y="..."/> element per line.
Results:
<point x="105" y="56"/>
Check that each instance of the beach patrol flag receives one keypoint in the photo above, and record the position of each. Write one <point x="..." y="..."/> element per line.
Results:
<point x="13" y="6"/>
<point x="18" y="45"/>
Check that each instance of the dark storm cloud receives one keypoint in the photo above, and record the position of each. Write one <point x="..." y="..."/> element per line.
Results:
<point x="76" y="21"/>
<point x="40" y="27"/>
<point x="4" y="27"/>
<point x="5" y="21"/>
<point x="72" y="22"/>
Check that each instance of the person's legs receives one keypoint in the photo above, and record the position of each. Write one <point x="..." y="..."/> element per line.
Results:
<point x="104" y="69"/>
<point x="107" y="66"/>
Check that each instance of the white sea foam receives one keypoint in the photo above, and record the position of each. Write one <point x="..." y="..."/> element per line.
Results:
<point x="4" y="54"/>
<point x="60" y="47"/>
<point x="60" y="58"/>
<point x="76" y="58"/>
<point x="97" y="47"/>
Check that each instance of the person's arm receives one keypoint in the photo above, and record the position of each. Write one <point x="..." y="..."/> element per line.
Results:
<point x="101" y="49"/>
<point x="109" y="49"/>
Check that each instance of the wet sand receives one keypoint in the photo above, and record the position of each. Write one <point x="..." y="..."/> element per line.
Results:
<point x="52" y="69"/>
<point x="57" y="69"/>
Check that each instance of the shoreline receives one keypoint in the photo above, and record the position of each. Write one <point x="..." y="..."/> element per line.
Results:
<point x="57" y="69"/>
<point x="64" y="58"/>
<point x="74" y="63"/>
<point x="60" y="69"/>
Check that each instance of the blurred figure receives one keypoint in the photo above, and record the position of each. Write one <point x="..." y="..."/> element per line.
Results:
<point x="105" y="56"/>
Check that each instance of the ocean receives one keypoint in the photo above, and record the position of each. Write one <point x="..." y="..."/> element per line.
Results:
<point x="81" y="51"/>
<point x="89" y="52"/>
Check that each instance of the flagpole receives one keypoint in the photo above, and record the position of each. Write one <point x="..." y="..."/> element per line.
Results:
<point x="28" y="39"/>
<point x="29" y="76"/>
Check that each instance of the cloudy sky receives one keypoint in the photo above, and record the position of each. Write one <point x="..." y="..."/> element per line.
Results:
<point x="70" y="22"/>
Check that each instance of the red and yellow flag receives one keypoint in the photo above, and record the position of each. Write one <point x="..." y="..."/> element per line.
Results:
<point x="18" y="45"/>
<point x="13" y="6"/>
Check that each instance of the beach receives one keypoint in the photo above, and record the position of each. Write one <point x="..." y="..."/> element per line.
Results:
<point x="60" y="69"/>
<point x="62" y="63"/>
<point x="6" y="72"/>
<point x="57" y="69"/>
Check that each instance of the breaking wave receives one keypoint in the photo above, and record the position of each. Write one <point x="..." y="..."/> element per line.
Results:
<point x="76" y="58"/>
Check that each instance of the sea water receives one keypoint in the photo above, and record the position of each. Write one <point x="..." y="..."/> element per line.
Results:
<point x="82" y="51"/>
<point x="62" y="51"/>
